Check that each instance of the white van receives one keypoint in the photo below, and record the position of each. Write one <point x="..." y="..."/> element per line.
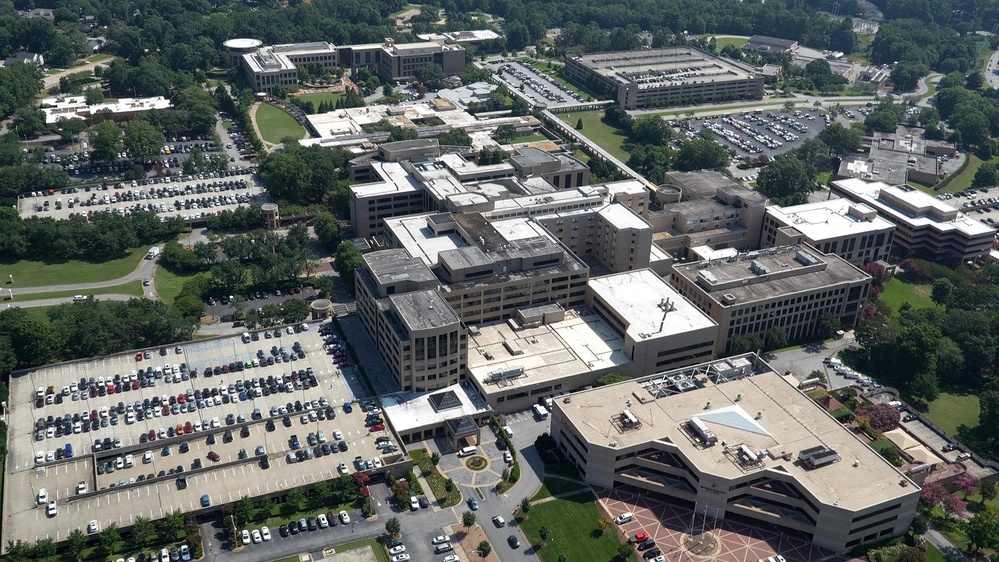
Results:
<point x="468" y="451"/>
<point x="508" y="431"/>
<point x="624" y="518"/>
<point x="540" y="412"/>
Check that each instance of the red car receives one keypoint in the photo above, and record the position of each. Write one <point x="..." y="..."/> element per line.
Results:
<point x="138" y="356"/>
<point x="377" y="427"/>
<point x="152" y="435"/>
<point x="640" y="537"/>
<point x="188" y="428"/>
<point x="213" y="456"/>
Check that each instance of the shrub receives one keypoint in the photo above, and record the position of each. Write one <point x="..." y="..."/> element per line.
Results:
<point x="882" y="417"/>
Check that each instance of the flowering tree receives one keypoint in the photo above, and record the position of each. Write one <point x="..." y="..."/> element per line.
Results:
<point x="954" y="506"/>
<point x="933" y="493"/>
<point x="882" y="417"/>
<point x="968" y="483"/>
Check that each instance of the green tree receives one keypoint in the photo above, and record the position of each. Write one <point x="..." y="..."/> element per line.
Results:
<point x="468" y="519"/>
<point x="544" y="533"/>
<point x="579" y="124"/>
<point x="986" y="175"/>
<point x="942" y="290"/>
<point x="105" y="141"/>
<point x="829" y="324"/>
<point x="143" y="533"/>
<point x="610" y="378"/>
<point x="787" y="181"/>
<point x="393" y="527"/>
<point x="242" y="511"/>
<point x="925" y="386"/>
<point x="171" y="525"/>
<point x="296" y="497"/>
<point x="76" y="543"/>
<point x="485" y="548"/>
<point x="905" y="76"/>
<point x="624" y="552"/>
<point x="982" y="530"/>
<point x="988" y="416"/>
<point x="517" y="36"/>
<point x="919" y="525"/>
<point x="348" y="259"/>
<point x="987" y="488"/>
<point x="44" y="548"/>
<point x="701" y="154"/>
<point x="109" y="539"/>
<point x="430" y="75"/>
<point x="525" y="504"/>
<point x="840" y="140"/>
<point x="775" y="338"/>
<point x="506" y="133"/>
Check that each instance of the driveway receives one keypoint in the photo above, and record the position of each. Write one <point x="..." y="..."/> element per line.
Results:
<point x="803" y="360"/>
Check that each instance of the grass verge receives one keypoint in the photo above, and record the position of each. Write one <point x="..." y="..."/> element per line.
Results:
<point x="317" y="99"/>
<point x="438" y="484"/>
<point x="555" y="486"/>
<point x="133" y="288"/>
<point x="99" y="57"/>
<point x="897" y="292"/>
<point x="607" y="137"/>
<point x="722" y="42"/>
<point x="380" y="554"/>
<point x="573" y="530"/>
<point x="963" y="180"/>
<point x="169" y="284"/>
<point x="275" y="124"/>
<point x="529" y="138"/>
<point x="34" y="273"/>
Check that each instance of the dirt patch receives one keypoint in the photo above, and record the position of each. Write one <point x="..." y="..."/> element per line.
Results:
<point x="365" y="554"/>
<point x="469" y="542"/>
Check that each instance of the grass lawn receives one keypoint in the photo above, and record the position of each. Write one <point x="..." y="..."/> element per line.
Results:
<point x="99" y="57"/>
<point x="168" y="284"/>
<point x="29" y="273"/>
<point x="555" y="73"/>
<point x="723" y="42"/>
<point x="562" y="469"/>
<point x="824" y="177"/>
<point x="381" y="555"/>
<point x="950" y="411"/>
<point x="933" y="554"/>
<point x="963" y="180"/>
<point x="133" y="288"/>
<point x="897" y="292"/>
<point x="40" y="312"/>
<point x="534" y="137"/>
<point x="573" y="530"/>
<point x="275" y="124"/>
<point x="556" y="486"/>
<point x="437" y="481"/>
<point x="317" y="99"/>
<point x="594" y="129"/>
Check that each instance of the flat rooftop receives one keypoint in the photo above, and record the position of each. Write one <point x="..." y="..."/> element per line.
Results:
<point x="912" y="206"/>
<point x="582" y="342"/>
<point x="397" y="264"/>
<point x="623" y="217"/>
<point x="831" y="218"/>
<point x="639" y="299"/>
<point x="396" y="180"/>
<point x="663" y="67"/>
<point x="765" y="412"/>
<point x="422" y="310"/>
<point x="109" y="500"/>
<point x="769" y="273"/>
<point x="413" y="234"/>
<point x="410" y="411"/>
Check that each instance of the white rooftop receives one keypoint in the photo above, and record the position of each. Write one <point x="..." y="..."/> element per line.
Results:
<point x="69" y="107"/>
<point x="410" y="411"/>
<point x="395" y="179"/>
<point x="623" y="217"/>
<point x="638" y="297"/>
<point x="413" y="234"/>
<point x="830" y="218"/>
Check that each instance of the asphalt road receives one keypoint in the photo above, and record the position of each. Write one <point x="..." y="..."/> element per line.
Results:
<point x="803" y="360"/>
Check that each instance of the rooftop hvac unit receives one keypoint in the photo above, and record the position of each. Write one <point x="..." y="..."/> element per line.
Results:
<point x="818" y="456"/>
<point x="729" y="298"/>
<point x="804" y="258"/>
<point x="702" y="431"/>
<point x="758" y="268"/>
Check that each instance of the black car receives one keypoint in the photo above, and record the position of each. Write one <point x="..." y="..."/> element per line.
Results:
<point x="313" y="525"/>
<point x="650" y="554"/>
<point x="424" y="502"/>
<point x="293" y="528"/>
<point x="646" y="544"/>
<point x="283" y="530"/>
<point x="514" y="541"/>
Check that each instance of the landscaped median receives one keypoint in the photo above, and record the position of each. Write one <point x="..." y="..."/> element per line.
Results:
<point x="445" y="490"/>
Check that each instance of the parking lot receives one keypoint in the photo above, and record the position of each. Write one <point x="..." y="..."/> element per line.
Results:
<point x="538" y="87"/>
<point x="191" y="197"/>
<point x="143" y="474"/>
<point x="981" y="204"/>
<point x="224" y="308"/>
<point x="752" y="134"/>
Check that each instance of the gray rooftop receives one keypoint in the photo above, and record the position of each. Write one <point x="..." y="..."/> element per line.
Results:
<point x="705" y="183"/>
<point x="391" y="266"/>
<point x="422" y="310"/>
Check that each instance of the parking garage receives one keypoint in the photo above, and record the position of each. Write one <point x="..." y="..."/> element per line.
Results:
<point x="160" y="432"/>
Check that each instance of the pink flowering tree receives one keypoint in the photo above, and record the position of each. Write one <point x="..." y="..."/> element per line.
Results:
<point x="882" y="417"/>
<point x="933" y="493"/>
<point x="967" y="483"/>
<point x="954" y="506"/>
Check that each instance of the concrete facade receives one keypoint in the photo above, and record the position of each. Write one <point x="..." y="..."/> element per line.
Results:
<point x="853" y="231"/>
<point x="789" y="287"/>
<point x="765" y="452"/>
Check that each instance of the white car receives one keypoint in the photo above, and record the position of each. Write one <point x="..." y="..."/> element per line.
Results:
<point x="93" y="527"/>
<point x="440" y="539"/>
<point x="52" y="510"/>
<point x="343" y="468"/>
<point x="40" y="457"/>
<point x="400" y="558"/>
<point x="164" y="555"/>
<point x="257" y="539"/>
<point x="337" y="435"/>
<point x="345" y="518"/>
<point x="451" y="558"/>
<point x="43" y="496"/>
<point x="265" y="533"/>
<point x="246" y="537"/>
<point x="185" y="553"/>
<point x="323" y="521"/>
<point x="397" y="549"/>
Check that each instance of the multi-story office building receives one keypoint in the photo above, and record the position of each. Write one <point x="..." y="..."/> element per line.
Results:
<point x="789" y="287"/>
<point x="853" y="231"/>
<point x="924" y="225"/>
<point x="416" y="332"/>
<point x="733" y="439"/>
<point x="561" y="170"/>
<point x="671" y="76"/>
<point x="632" y="324"/>
<point x="613" y="234"/>
<point x="399" y="61"/>
<point x="277" y="65"/>
<point x="705" y="209"/>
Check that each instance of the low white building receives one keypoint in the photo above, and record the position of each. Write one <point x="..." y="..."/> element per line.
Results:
<point x="75" y="107"/>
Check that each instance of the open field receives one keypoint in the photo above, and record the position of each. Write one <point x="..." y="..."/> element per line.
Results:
<point x="897" y="292"/>
<point x="276" y="124"/>
<point x="722" y="42"/>
<point x="529" y="138"/>
<point x="31" y="273"/>
<point x="316" y="99"/>
<point x="99" y="57"/>
<point x="573" y="530"/>
<point x="963" y="180"/>
<point x="594" y="129"/>
<point x="168" y="284"/>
